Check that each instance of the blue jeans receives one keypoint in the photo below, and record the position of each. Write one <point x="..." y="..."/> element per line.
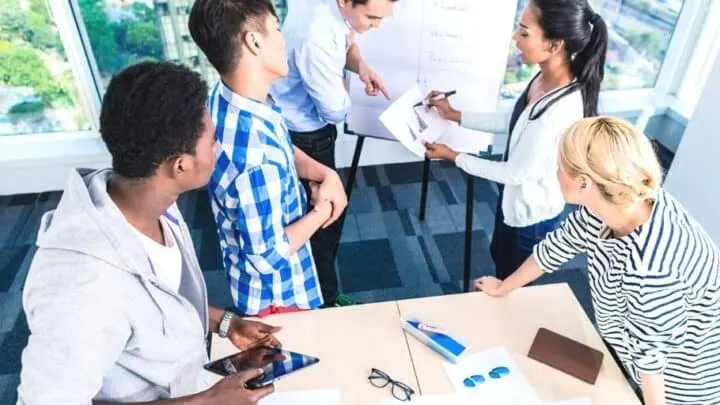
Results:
<point x="511" y="246"/>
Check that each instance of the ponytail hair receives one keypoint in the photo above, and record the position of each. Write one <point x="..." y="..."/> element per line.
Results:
<point x="588" y="65"/>
<point x="586" y="38"/>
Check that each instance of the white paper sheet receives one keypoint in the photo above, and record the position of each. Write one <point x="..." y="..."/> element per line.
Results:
<point x="466" y="140"/>
<point x="512" y="388"/>
<point x="397" y="43"/>
<point x="451" y="32"/>
<point x="452" y="399"/>
<point x="412" y="126"/>
<point x="310" y="397"/>
<point x="455" y="399"/>
<point x="466" y="399"/>
<point x="576" y="401"/>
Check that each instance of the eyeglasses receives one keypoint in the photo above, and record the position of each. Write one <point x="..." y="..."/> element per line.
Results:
<point x="477" y="379"/>
<point x="400" y="391"/>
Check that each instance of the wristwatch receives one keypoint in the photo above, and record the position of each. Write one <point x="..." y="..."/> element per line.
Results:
<point x="224" y="326"/>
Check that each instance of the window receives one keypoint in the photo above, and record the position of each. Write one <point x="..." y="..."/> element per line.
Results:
<point x="639" y="36"/>
<point x="125" y="32"/>
<point x="281" y="9"/>
<point x="38" y="93"/>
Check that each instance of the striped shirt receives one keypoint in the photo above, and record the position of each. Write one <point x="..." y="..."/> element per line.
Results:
<point x="255" y="193"/>
<point x="656" y="295"/>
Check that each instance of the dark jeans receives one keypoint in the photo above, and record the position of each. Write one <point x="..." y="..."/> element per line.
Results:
<point x="320" y="145"/>
<point x="511" y="246"/>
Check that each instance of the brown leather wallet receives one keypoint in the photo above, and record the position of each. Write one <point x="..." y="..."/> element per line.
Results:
<point x="567" y="355"/>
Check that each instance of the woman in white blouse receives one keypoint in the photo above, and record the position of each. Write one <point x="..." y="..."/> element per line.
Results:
<point x="568" y="41"/>
<point x="654" y="272"/>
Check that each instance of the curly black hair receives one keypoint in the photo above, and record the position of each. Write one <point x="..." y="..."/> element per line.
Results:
<point x="217" y="27"/>
<point x="152" y="112"/>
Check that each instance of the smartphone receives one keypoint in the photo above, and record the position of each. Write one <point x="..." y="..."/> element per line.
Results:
<point x="275" y="363"/>
<point x="437" y="338"/>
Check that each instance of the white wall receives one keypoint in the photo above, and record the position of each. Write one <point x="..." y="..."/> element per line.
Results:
<point x="37" y="163"/>
<point x="693" y="176"/>
<point x="41" y="164"/>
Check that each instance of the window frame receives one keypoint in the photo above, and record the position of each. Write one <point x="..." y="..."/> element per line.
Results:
<point x="85" y="148"/>
<point x="63" y="148"/>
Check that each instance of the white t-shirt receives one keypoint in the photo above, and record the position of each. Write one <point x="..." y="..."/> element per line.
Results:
<point x="166" y="259"/>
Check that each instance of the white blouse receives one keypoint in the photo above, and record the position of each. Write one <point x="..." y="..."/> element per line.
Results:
<point x="532" y="192"/>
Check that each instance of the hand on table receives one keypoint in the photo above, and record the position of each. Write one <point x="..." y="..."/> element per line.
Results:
<point x="490" y="286"/>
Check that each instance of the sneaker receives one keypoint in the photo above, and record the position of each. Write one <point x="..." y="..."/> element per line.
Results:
<point x="343" y="300"/>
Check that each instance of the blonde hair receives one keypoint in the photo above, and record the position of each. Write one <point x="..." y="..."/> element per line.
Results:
<point x="616" y="155"/>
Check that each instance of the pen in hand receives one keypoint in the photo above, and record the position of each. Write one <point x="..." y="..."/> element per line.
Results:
<point x="445" y="95"/>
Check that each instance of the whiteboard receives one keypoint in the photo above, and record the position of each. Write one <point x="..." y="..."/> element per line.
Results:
<point x="457" y="45"/>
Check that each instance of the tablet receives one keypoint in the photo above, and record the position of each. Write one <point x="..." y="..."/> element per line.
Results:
<point x="275" y="363"/>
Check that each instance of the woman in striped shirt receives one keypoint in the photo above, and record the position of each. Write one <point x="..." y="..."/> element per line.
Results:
<point x="654" y="272"/>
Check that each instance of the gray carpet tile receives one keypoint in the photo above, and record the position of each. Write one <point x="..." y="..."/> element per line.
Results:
<point x="367" y="265"/>
<point x="8" y="388"/>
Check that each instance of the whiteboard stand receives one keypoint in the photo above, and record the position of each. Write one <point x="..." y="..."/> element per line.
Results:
<point x="423" y="197"/>
<point x="423" y="191"/>
<point x="355" y="161"/>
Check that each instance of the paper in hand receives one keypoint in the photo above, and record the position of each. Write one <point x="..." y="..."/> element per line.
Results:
<point x="412" y="126"/>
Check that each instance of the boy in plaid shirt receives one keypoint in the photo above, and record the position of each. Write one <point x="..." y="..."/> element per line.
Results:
<point x="259" y="204"/>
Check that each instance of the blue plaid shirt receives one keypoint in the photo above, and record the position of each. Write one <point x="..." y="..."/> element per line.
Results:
<point x="255" y="193"/>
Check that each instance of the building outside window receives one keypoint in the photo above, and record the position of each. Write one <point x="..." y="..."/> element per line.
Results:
<point x="38" y="93"/>
<point x="639" y="33"/>
<point x="125" y="32"/>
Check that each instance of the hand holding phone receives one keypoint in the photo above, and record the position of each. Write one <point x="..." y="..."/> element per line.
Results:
<point x="233" y="390"/>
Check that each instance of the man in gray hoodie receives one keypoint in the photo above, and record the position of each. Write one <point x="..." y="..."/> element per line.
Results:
<point x="115" y="298"/>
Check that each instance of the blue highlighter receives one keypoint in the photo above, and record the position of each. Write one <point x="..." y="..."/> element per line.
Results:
<point x="437" y="338"/>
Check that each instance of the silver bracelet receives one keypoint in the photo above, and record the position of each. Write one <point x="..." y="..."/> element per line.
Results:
<point x="224" y="326"/>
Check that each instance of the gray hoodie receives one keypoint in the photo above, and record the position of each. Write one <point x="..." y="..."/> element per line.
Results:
<point x="102" y="326"/>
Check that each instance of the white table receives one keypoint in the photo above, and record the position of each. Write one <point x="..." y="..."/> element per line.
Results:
<point x="484" y="322"/>
<point x="351" y="340"/>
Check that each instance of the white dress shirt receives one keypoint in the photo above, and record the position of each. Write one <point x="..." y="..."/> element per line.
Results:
<point x="313" y="94"/>
<point x="532" y="192"/>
